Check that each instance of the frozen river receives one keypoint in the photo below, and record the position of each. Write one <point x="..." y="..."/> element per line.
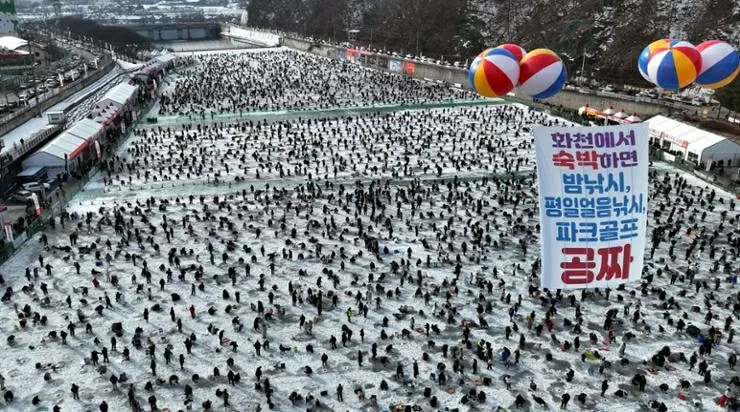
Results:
<point x="394" y="255"/>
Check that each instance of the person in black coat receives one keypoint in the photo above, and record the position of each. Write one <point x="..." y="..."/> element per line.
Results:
<point x="564" y="401"/>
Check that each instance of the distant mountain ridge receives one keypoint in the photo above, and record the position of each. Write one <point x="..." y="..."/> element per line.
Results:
<point x="611" y="33"/>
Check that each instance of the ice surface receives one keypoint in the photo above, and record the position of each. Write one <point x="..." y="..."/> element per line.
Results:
<point x="286" y="79"/>
<point x="421" y="222"/>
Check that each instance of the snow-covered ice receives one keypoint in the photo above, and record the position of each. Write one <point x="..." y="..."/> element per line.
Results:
<point x="287" y="79"/>
<point x="456" y="250"/>
<point x="407" y="144"/>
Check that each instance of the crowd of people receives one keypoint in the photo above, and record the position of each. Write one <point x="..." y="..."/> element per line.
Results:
<point x="397" y="292"/>
<point x="385" y="261"/>
<point x="290" y="80"/>
<point x="461" y="142"/>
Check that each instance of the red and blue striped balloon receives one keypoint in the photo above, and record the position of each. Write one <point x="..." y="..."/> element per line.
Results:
<point x="648" y="52"/>
<point x="494" y="73"/>
<point x="542" y="74"/>
<point x="515" y="49"/>
<point x="720" y="64"/>
<point x="675" y="67"/>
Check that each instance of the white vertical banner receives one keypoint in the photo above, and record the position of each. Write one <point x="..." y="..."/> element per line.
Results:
<point x="97" y="149"/>
<point x="593" y="193"/>
<point x="36" y="206"/>
<point x="6" y="223"/>
<point x="9" y="232"/>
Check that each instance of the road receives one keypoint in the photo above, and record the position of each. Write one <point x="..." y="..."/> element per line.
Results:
<point x="86" y="53"/>
<point x="12" y="98"/>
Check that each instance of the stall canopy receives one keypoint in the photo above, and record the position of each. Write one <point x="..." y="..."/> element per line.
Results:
<point x="608" y="114"/>
<point x="588" y="111"/>
<point x="150" y="69"/>
<point x="673" y="131"/>
<point x="697" y="145"/>
<point x="71" y="143"/>
<point x="120" y="95"/>
<point x="85" y="129"/>
<point x="165" y="58"/>
<point x="104" y="114"/>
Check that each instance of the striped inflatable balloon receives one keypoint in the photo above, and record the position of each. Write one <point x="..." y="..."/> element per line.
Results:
<point x="675" y="67"/>
<point x="494" y="73"/>
<point x="482" y="54"/>
<point x="515" y="49"/>
<point x="542" y="74"/>
<point x="474" y="66"/>
<point x="648" y="52"/>
<point x="720" y="64"/>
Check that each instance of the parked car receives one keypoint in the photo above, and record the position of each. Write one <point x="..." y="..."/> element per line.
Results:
<point x="36" y="186"/>
<point x="23" y="196"/>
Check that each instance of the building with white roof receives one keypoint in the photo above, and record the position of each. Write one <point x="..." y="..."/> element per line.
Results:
<point x="67" y="149"/>
<point x="120" y="96"/>
<point x="693" y="144"/>
<point x="15" y="46"/>
<point x="12" y="43"/>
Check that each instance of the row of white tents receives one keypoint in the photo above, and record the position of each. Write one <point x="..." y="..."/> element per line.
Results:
<point x="688" y="142"/>
<point x="74" y="145"/>
<point x="694" y="145"/>
<point x="619" y="117"/>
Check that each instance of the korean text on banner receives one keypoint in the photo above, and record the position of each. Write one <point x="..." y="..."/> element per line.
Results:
<point x="593" y="193"/>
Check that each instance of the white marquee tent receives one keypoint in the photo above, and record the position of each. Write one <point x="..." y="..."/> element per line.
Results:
<point x="120" y="95"/>
<point x="695" y="145"/>
<point x="71" y="143"/>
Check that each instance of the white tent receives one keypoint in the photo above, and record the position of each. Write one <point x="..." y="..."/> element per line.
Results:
<point x="714" y="149"/>
<point x="165" y="58"/>
<point x="72" y="142"/>
<point x="12" y="43"/>
<point x="120" y="95"/>
<point x="695" y="145"/>
<point x="85" y="129"/>
<point x="104" y="114"/>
